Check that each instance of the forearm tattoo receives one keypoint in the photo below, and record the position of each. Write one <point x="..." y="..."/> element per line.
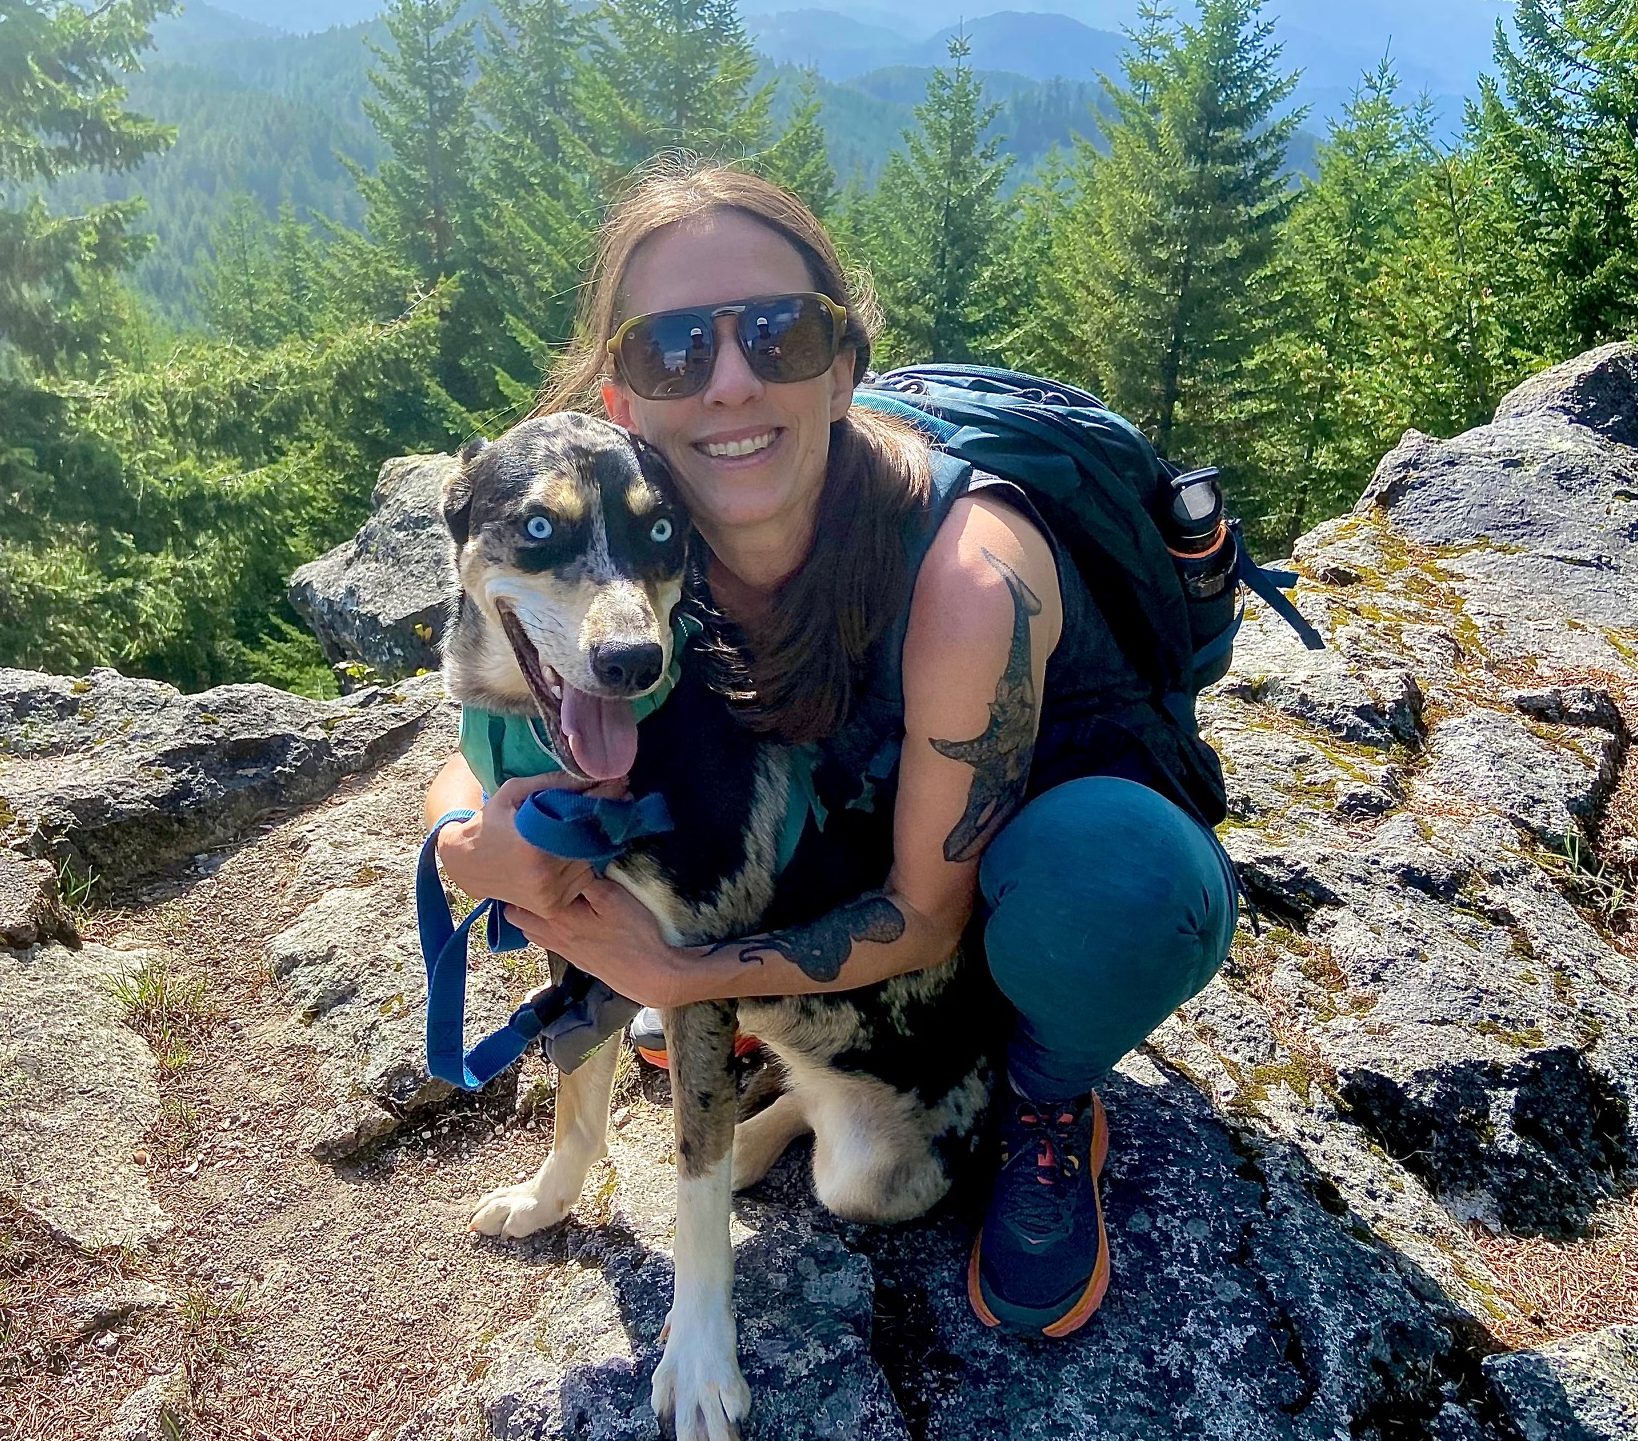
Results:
<point x="1000" y="757"/>
<point x="818" y="948"/>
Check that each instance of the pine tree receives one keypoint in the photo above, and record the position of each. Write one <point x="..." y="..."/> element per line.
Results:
<point x="1558" y="131"/>
<point x="60" y="112"/>
<point x="1026" y="278"/>
<point x="294" y="269"/>
<point x="423" y="113"/>
<point x="538" y="205"/>
<point x="236" y="283"/>
<point x="674" y="75"/>
<point x="1163" y="255"/>
<point x="935" y="228"/>
<point x="1452" y="309"/>
<point x="1327" y="418"/>
<point x="799" y="160"/>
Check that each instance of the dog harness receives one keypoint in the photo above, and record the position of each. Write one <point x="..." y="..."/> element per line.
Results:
<point x="573" y="1018"/>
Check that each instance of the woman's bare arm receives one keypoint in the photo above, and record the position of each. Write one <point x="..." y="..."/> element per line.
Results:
<point x="985" y="616"/>
<point x="454" y="788"/>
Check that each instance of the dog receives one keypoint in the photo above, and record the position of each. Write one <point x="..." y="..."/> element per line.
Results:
<point x="570" y="548"/>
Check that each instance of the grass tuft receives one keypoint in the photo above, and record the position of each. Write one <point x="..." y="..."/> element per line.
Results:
<point x="170" y="1013"/>
<point x="1600" y="889"/>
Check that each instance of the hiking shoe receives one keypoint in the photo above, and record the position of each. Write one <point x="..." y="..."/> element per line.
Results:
<point x="648" y="1036"/>
<point x="1041" y="1263"/>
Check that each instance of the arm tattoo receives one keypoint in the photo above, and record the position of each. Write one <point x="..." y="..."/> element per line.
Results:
<point x="1000" y="757"/>
<point x="819" y="947"/>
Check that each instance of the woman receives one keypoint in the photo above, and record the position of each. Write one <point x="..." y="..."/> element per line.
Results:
<point x="1104" y="904"/>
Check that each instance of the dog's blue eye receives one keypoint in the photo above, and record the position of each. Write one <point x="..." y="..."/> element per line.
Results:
<point x="539" y="527"/>
<point x="661" y="532"/>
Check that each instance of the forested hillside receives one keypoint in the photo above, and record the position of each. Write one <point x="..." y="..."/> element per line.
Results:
<point x="194" y="397"/>
<point x="279" y="116"/>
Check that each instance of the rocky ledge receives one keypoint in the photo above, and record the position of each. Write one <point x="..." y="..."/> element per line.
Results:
<point x="1377" y="1181"/>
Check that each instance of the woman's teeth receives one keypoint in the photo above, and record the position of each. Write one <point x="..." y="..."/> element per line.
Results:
<point x="718" y="449"/>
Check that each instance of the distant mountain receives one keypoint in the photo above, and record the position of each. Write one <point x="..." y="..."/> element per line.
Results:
<point x="906" y="85"/>
<point x="302" y="17"/>
<point x="271" y="112"/>
<point x="1441" y="45"/>
<point x="1027" y="43"/>
<point x="838" y="46"/>
<point x="179" y="35"/>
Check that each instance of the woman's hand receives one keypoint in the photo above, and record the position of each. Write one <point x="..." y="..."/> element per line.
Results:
<point x="610" y="934"/>
<point x="486" y="856"/>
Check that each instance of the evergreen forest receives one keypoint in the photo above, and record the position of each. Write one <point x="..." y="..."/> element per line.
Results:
<point x="396" y="246"/>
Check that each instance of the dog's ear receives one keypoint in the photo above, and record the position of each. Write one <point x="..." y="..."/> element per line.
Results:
<point x="472" y="449"/>
<point x="456" y="500"/>
<point x="655" y="471"/>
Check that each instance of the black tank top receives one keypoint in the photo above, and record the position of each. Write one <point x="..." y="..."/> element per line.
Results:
<point x="1098" y="717"/>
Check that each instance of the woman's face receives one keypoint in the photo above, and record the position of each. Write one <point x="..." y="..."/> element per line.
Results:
<point x="772" y="489"/>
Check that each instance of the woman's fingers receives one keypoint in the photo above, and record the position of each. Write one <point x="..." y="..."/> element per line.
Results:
<point x="565" y="886"/>
<point x="515" y="792"/>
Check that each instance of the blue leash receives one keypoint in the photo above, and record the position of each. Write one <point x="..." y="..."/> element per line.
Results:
<point x="565" y="824"/>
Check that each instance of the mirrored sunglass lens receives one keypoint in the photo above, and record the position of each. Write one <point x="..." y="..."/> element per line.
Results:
<point x="790" y="337"/>
<point x="668" y="356"/>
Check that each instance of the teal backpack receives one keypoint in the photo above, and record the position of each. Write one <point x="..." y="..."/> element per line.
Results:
<point x="1160" y="559"/>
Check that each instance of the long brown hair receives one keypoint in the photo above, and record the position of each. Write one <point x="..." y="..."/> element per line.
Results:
<point x="795" y="674"/>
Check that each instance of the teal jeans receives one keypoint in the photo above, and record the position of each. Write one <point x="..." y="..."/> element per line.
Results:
<point x="1107" y="908"/>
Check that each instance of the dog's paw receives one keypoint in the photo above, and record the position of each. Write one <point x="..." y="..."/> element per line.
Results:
<point x="699" y="1393"/>
<point x="523" y="1209"/>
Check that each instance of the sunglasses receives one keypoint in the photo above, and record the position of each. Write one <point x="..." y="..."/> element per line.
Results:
<point x="784" y="338"/>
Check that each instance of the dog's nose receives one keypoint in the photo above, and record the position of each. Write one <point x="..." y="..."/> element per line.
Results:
<point x="626" y="667"/>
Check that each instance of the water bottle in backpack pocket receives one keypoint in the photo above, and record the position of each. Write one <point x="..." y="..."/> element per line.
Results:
<point x="1204" y="549"/>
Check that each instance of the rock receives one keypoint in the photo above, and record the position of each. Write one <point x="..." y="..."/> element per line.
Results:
<point x="1583" y="1389"/>
<point x="155" y="1411"/>
<point x="77" y="1090"/>
<point x="1595" y="391"/>
<point x="111" y="1305"/>
<point x="31" y="910"/>
<point x="380" y="598"/>
<point x="583" y="1365"/>
<point x="119" y="777"/>
<point x="1431" y="976"/>
<point x="1531" y="1147"/>
<point x="350" y="969"/>
<point x="1434" y="1031"/>
<point x="1546" y="779"/>
<point x="1245" y="1303"/>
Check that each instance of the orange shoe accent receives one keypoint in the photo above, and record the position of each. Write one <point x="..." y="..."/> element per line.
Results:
<point x="1097" y="1284"/>
<point x="743" y="1046"/>
<point x="975" y="1295"/>
<point x="1092" y="1297"/>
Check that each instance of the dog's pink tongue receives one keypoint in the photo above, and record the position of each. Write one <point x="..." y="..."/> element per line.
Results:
<point x="602" y="734"/>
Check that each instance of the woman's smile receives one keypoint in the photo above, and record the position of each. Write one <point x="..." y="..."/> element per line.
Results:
<point x="748" y="455"/>
<point x="742" y="447"/>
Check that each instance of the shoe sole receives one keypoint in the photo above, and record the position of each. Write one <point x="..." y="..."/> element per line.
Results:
<point x="1081" y="1309"/>
<point x="660" y="1060"/>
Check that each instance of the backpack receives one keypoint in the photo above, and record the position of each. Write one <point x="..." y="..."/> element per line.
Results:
<point x="1167" y="588"/>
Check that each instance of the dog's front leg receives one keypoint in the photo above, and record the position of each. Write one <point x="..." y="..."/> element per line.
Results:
<point x="698" y="1385"/>
<point x="580" y="1128"/>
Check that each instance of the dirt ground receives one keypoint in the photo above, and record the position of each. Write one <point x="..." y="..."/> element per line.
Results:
<point x="311" y="1300"/>
<point x="306" y="1299"/>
